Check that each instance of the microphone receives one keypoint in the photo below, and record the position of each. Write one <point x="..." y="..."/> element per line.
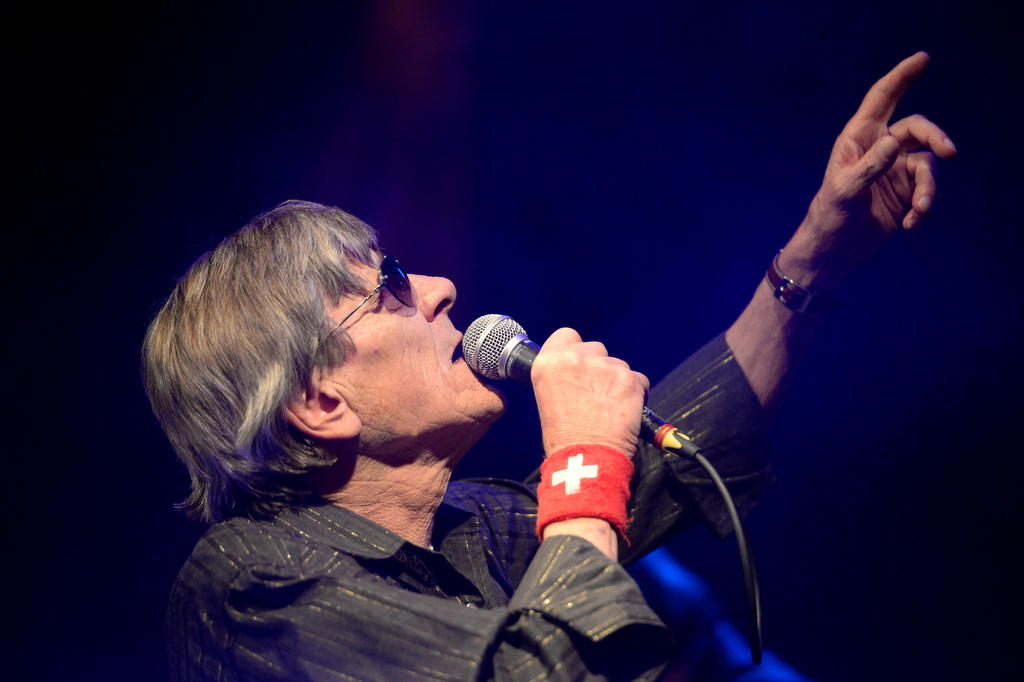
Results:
<point x="497" y="347"/>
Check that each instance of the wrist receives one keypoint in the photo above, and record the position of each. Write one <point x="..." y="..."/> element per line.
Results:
<point x="793" y="292"/>
<point x="584" y="481"/>
<point x="558" y="443"/>
<point x="812" y="261"/>
<point x="597" y="532"/>
<point x="827" y="246"/>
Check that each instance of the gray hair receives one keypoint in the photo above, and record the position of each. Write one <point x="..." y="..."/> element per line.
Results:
<point x="237" y="339"/>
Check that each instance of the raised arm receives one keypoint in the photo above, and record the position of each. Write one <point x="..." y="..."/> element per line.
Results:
<point x="879" y="180"/>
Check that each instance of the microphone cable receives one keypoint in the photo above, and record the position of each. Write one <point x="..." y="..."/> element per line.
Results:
<point x="671" y="440"/>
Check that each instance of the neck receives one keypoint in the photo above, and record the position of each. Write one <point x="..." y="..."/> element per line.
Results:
<point x="402" y="498"/>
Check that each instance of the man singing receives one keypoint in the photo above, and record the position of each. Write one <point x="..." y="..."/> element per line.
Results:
<point x="316" y="394"/>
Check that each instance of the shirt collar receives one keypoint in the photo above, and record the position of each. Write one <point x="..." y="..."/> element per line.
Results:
<point x="341" y="529"/>
<point x="347" y="531"/>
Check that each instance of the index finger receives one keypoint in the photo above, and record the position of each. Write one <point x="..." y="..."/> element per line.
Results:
<point x="881" y="100"/>
<point x="560" y="338"/>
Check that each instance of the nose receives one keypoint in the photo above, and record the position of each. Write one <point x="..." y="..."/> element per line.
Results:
<point x="435" y="295"/>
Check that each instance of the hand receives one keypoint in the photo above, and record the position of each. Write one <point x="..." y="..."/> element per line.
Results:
<point x="880" y="179"/>
<point x="586" y="396"/>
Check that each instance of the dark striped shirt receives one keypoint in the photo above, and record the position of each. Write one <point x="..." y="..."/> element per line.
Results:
<point x="321" y="593"/>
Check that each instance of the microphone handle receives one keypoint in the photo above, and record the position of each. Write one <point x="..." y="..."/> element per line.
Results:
<point x="518" y="362"/>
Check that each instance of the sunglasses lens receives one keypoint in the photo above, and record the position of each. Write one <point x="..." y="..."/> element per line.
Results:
<point x="396" y="280"/>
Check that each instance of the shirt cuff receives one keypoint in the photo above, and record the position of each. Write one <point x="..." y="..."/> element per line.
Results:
<point x="572" y="583"/>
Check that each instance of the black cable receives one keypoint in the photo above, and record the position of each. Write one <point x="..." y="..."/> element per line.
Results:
<point x="669" y="439"/>
<point x="746" y="559"/>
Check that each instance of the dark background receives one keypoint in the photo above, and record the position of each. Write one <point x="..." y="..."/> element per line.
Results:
<point x="625" y="170"/>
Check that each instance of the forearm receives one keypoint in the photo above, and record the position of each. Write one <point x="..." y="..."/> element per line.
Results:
<point x="768" y="339"/>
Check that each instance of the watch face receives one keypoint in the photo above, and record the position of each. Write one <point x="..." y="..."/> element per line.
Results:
<point x="794" y="296"/>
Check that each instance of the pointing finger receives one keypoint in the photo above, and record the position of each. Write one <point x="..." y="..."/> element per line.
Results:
<point x="885" y="94"/>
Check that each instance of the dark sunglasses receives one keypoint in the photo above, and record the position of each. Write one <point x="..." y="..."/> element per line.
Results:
<point x="391" y="275"/>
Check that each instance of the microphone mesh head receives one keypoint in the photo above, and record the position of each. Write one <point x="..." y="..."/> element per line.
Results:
<point x="484" y="340"/>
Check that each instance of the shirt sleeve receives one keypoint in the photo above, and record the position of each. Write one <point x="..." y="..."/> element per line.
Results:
<point x="708" y="398"/>
<point x="322" y="617"/>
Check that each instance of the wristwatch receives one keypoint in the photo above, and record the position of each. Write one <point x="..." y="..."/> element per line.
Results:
<point x="795" y="297"/>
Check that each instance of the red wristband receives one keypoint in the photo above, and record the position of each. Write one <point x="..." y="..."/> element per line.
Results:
<point x="584" y="481"/>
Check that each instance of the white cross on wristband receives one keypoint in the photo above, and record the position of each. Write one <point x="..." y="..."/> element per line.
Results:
<point x="573" y="473"/>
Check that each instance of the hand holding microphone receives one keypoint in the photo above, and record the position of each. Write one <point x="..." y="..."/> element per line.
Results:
<point x="497" y="347"/>
<point x="586" y="396"/>
<point x="590" y="405"/>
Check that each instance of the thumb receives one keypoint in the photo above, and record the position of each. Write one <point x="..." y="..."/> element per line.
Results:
<point x="876" y="161"/>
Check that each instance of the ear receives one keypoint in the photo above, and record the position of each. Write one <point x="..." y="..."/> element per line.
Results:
<point x="321" y="412"/>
